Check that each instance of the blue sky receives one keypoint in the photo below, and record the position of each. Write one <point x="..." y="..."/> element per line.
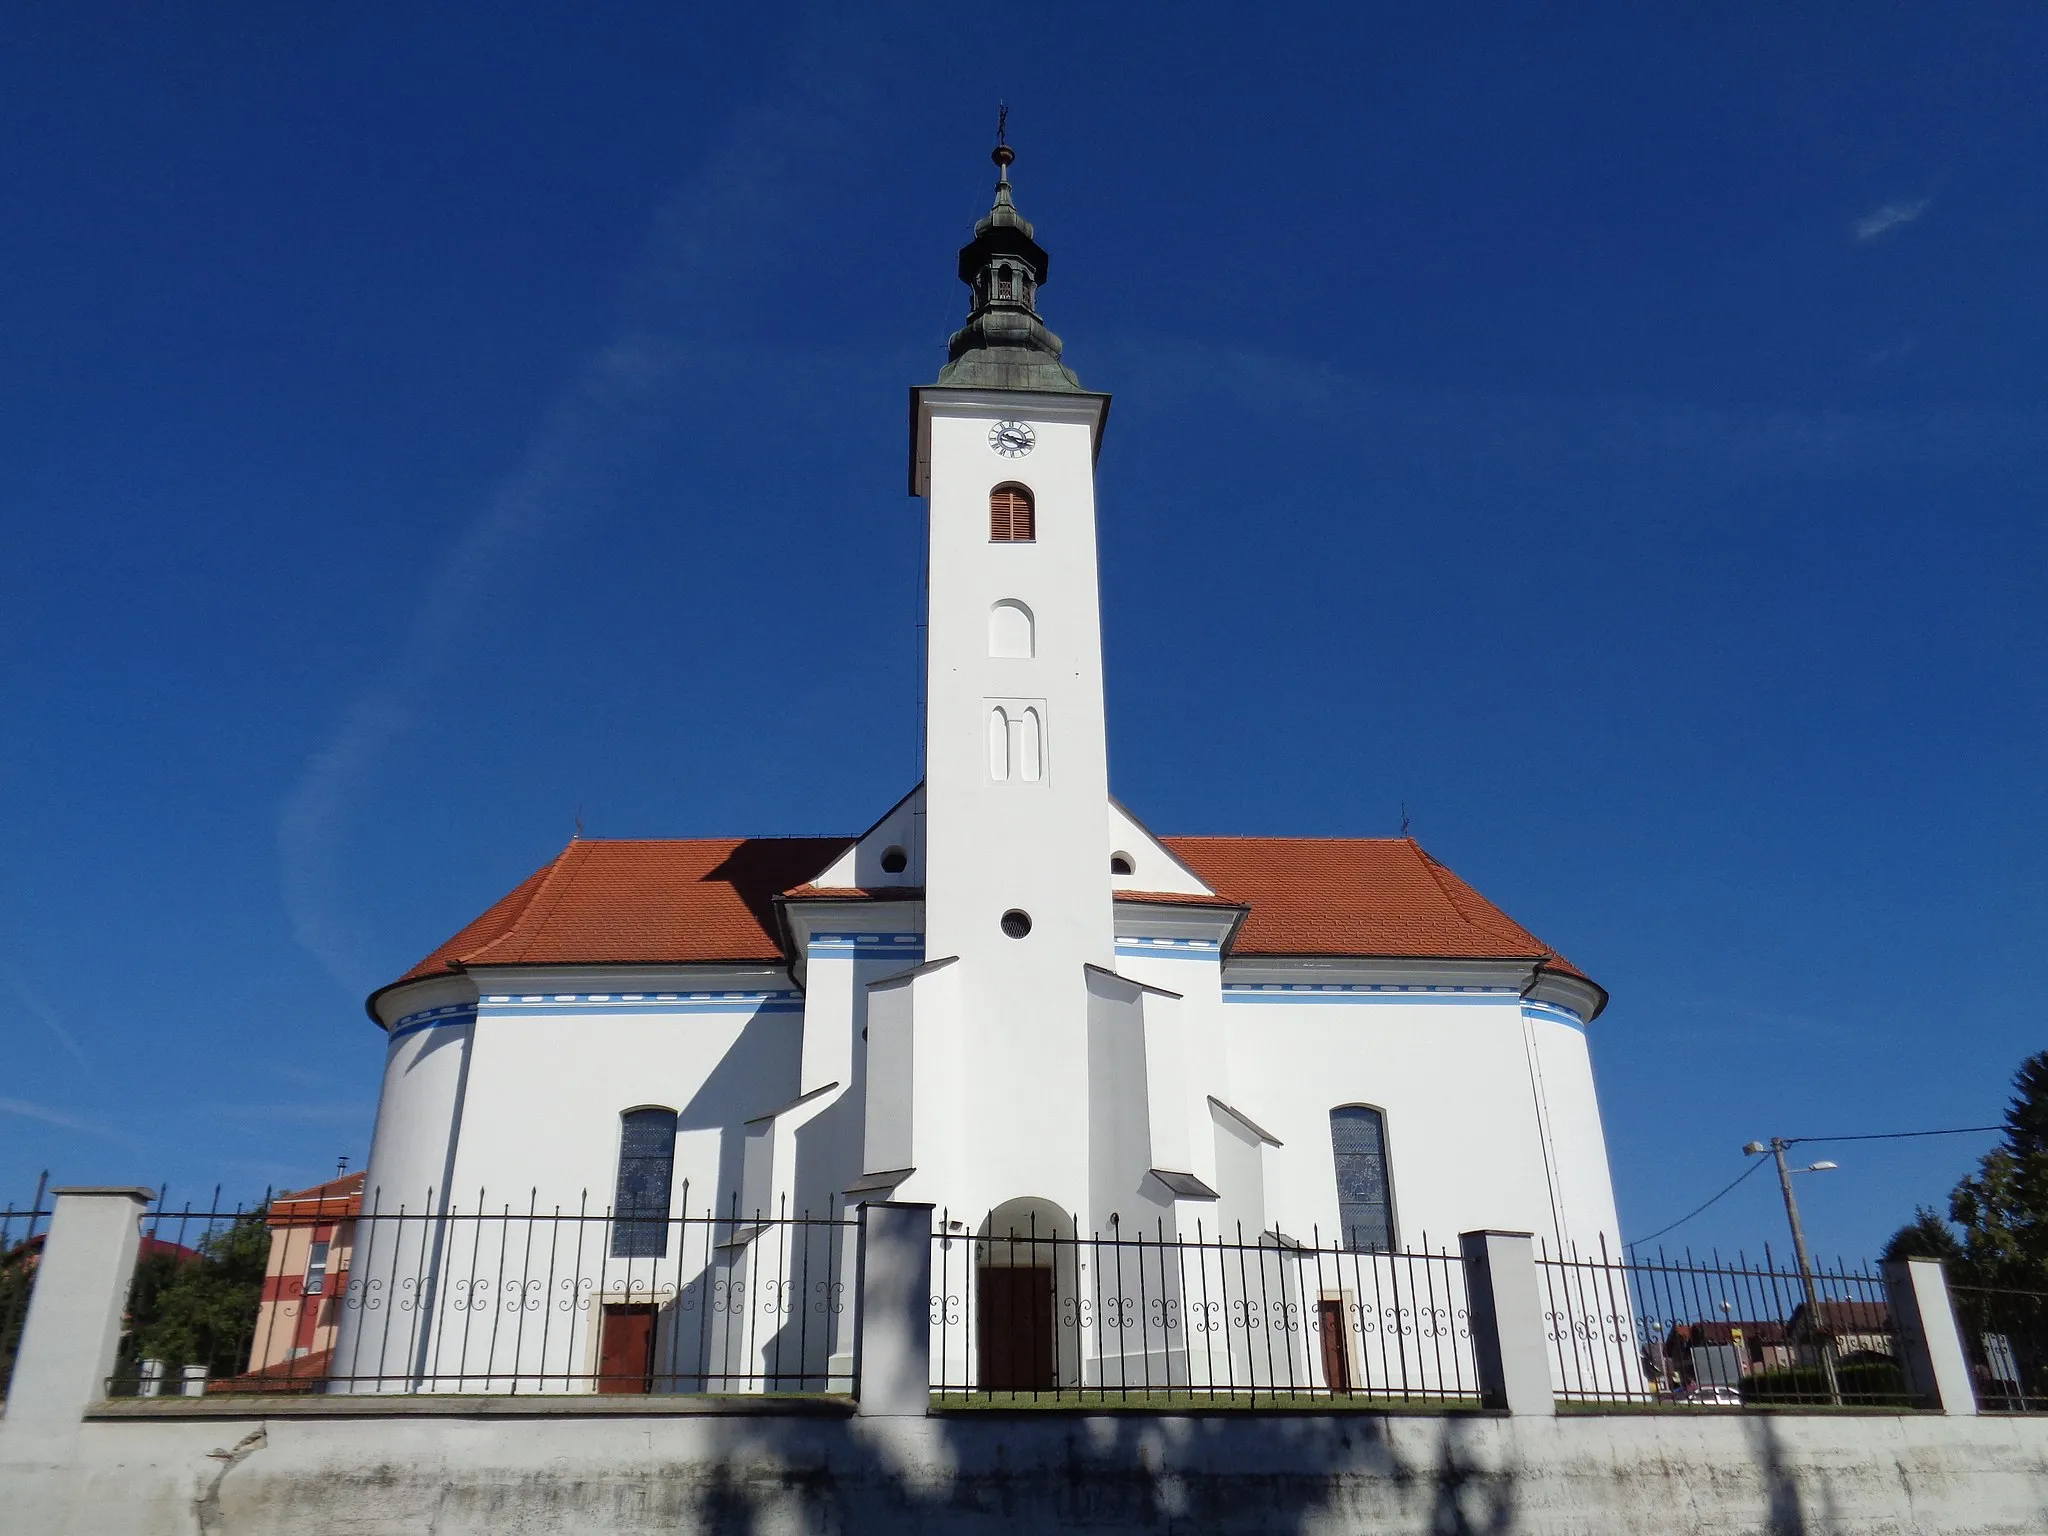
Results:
<point x="1617" y="433"/>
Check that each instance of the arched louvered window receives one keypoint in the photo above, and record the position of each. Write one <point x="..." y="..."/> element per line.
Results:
<point x="647" y="1165"/>
<point x="1365" y="1196"/>
<point x="1012" y="519"/>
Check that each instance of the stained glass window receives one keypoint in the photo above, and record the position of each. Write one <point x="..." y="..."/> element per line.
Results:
<point x="647" y="1164"/>
<point x="1365" y="1202"/>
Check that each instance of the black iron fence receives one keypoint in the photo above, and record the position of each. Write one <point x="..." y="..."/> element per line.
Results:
<point x="21" y="1230"/>
<point x="194" y="1302"/>
<point x="1688" y="1332"/>
<point x="2005" y="1338"/>
<point x="1039" y="1315"/>
<point x="502" y="1298"/>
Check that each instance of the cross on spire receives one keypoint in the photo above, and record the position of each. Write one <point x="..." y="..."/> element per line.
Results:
<point x="1004" y="344"/>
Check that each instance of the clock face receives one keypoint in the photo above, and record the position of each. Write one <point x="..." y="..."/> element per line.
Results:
<point x="1012" y="439"/>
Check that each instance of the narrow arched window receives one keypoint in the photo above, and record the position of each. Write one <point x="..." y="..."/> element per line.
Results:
<point x="1012" y="518"/>
<point x="1010" y="630"/>
<point x="999" y="744"/>
<point x="647" y="1165"/>
<point x="1029" y="758"/>
<point x="1365" y="1197"/>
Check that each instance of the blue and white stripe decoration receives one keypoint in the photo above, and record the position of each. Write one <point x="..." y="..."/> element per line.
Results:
<point x="1357" y="992"/>
<point x="1136" y="948"/>
<point x="784" y="1000"/>
<point x="1555" y="1013"/>
<point x="434" y="1018"/>
<point x="866" y="946"/>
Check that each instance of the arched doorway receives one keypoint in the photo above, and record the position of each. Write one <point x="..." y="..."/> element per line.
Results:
<point x="1024" y="1264"/>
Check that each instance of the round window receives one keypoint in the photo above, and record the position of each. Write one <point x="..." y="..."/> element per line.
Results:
<point x="1119" y="863"/>
<point x="894" y="861"/>
<point x="1016" y="924"/>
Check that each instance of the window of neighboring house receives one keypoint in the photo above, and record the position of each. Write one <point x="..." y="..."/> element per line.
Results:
<point x="316" y="1269"/>
<point x="647" y="1163"/>
<point x="1365" y="1200"/>
<point x="1012" y="517"/>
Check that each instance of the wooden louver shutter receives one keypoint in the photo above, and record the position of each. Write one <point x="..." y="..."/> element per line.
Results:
<point x="1010" y="516"/>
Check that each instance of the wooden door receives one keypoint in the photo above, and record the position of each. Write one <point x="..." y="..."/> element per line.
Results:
<point x="1016" y="1332"/>
<point x="1336" y="1345"/>
<point x="625" y="1348"/>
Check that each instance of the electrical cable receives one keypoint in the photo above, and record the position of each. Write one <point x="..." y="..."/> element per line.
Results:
<point x="1688" y="1216"/>
<point x="1961" y="1130"/>
<point x="1790" y="1141"/>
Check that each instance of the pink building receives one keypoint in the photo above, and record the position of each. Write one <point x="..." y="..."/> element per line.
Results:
<point x="312" y="1234"/>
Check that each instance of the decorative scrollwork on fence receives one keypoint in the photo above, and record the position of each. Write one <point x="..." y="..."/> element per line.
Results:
<point x="576" y="1294"/>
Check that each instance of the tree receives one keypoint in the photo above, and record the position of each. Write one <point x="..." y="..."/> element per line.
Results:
<point x="201" y="1312"/>
<point x="2003" y="1207"/>
<point x="1927" y="1236"/>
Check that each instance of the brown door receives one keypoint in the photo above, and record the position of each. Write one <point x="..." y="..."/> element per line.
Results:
<point x="1016" y="1335"/>
<point x="625" y="1348"/>
<point x="1336" y="1345"/>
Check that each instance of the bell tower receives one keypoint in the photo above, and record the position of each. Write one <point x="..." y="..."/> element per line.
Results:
<point x="1016" y="786"/>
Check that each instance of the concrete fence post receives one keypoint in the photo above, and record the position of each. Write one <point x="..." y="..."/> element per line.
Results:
<point x="1930" y="1340"/>
<point x="892" y="1341"/>
<point x="1506" y="1307"/>
<point x="74" y="1316"/>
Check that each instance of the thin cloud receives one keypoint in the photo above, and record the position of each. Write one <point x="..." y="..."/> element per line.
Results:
<point x="25" y="1110"/>
<point x="48" y="1116"/>
<point x="43" y="1013"/>
<point x="312" y="1114"/>
<point x="1889" y="217"/>
<point x="757" y="182"/>
<point x="1383" y="415"/>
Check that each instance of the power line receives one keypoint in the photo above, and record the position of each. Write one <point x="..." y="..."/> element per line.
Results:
<point x="1688" y="1216"/>
<point x="1960" y="1130"/>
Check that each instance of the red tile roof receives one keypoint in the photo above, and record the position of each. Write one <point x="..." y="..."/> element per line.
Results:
<point x="335" y="1200"/>
<point x="1378" y="896"/>
<point x="703" y="900"/>
<point x="649" y="901"/>
<point x="301" y="1373"/>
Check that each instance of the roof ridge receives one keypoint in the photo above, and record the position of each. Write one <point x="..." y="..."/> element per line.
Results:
<point x="529" y="920"/>
<point x="1269" y="837"/>
<point x="1448" y="881"/>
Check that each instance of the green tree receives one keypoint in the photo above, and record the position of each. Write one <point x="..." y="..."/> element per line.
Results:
<point x="1927" y="1236"/>
<point x="15" y="1280"/>
<point x="2003" y="1207"/>
<point x="202" y="1312"/>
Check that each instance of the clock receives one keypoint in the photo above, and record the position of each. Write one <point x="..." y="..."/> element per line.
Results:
<point x="1012" y="439"/>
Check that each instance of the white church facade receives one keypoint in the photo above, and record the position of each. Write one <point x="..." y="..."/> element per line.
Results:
<point x="1008" y="998"/>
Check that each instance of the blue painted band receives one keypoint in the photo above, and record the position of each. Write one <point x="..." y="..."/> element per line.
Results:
<point x="1360" y="992"/>
<point x="1555" y="1013"/>
<point x="893" y="946"/>
<point x="1168" y="949"/>
<point x="433" y="1018"/>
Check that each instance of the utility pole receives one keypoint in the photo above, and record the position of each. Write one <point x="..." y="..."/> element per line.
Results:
<point x="1777" y="1149"/>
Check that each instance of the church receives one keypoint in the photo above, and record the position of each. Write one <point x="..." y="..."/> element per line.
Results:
<point x="1008" y="998"/>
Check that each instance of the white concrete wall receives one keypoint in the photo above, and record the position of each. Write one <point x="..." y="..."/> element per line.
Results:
<point x="1587" y="1475"/>
<point x="511" y="1105"/>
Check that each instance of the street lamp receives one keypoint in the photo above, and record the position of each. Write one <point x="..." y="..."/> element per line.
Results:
<point x="1777" y="1149"/>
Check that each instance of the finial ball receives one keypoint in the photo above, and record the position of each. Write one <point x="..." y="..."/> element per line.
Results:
<point x="1004" y="156"/>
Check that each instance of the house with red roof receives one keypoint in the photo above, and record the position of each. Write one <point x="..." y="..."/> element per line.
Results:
<point x="305" y="1287"/>
<point x="1008" y="998"/>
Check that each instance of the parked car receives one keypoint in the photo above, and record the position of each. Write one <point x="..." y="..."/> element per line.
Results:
<point x="1711" y="1397"/>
